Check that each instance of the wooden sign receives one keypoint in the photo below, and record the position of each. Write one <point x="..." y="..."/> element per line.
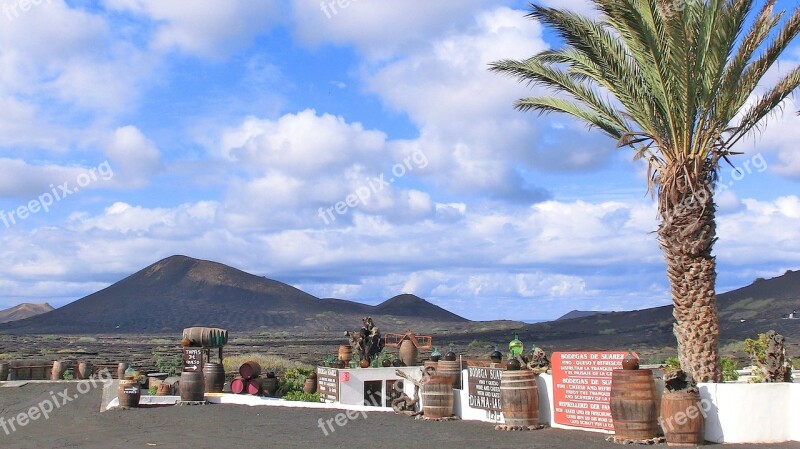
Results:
<point x="582" y="388"/>
<point x="328" y="384"/>
<point x="484" y="387"/>
<point x="192" y="359"/>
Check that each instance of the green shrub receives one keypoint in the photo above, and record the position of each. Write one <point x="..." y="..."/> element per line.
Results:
<point x="673" y="362"/>
<point x="152" y="390"/>
<point x="729" y="373"/>
<point x="170" y="365"/>
<point x="302" y="397"/>
<point x="293" y="380"/>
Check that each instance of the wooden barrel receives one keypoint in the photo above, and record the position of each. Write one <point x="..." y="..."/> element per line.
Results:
<point x="5" y="369"/>
<point x="58" y="370"/>
<point x="633" y="404"/>
<point x="269" y="385"/>
<point x="254" y="387"/>
<point x="451" y="369"/>
<point x="238" y="385"/>
<point x="345" y="353"/>
<point x="682" y="419"/>
<point x="519" y="398"/>
<point x="437" y="397"/>
<point x="164" y="389"/>
<point x="310" y="386"/>
<point x="206" y="337"/>
<point x="84" y="371"/>
<point x="250" y="370"/>
<point x="214" y="375"/>
<point x="429" y="368"/>
<point x="192" y="388"/>
<point x="408" y="353"/>
<point x="128" y="393"/>
<point x="121" y="367"/>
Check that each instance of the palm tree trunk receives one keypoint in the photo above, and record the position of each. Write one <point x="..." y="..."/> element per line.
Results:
<point x="686" y="234"/>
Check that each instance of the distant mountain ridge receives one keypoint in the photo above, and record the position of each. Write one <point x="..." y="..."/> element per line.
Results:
<point x="22" y="311"/>
<point x="180" y="292"/>
<point x="579" y="314"/>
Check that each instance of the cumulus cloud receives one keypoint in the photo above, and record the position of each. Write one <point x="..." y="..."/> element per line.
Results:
<point x="134" y="157"/>
<point x="206" y="28"/>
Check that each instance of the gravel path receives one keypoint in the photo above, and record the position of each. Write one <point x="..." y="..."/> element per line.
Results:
<point x="79" y="424"/>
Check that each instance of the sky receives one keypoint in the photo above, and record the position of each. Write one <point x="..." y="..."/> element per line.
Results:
<point x="358" y="150"/>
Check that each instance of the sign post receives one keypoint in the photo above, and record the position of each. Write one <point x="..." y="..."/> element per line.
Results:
<point x="582" y="388"/>
<point x="484" y="390"/>
<point x="328" y="384"/>
<point x="192" y="360"/>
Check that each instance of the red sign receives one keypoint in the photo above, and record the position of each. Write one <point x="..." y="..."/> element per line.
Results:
<point x="582" y="388"/>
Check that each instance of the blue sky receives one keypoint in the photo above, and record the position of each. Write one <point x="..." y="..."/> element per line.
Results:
<point x="357" y="153"/>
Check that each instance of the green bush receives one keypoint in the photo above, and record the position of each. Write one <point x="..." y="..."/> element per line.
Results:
<point x="293" y="380"/>
<point x="729" y="373"/>
<point x="302" y="397"/>
<point x="169" y="365"/>
<point x="673" y="362"/>
<point x="152" y="390"/>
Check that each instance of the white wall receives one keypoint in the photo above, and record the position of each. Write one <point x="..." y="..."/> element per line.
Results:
<point x="751" y="413"/>
<point x="352" y="391"/>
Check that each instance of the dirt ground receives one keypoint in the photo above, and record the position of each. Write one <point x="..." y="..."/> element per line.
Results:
<point x="77" y="423"/>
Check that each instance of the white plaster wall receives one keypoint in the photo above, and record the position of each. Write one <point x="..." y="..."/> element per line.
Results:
<point x="751" y="413"/>
<point x="352" y="391"/>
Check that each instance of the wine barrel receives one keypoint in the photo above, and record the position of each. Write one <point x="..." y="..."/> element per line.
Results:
<point x="682" y="419"/>
<point x="429" y="367"/>
<point x="5" y="369"/>
<point x="192" y="388"/>
<point x="408" y="353"/>
<point x="345" y="353"/>
<point x="633" y="404"/>
<point x="254" y="387"/>
<point x="310" y="386"/>
<point x="206" y="337"/>
<point x="84" y="371"/>
<point x="128" y="393"/>
<point x="238" y="385"/>
<point x="249" y="370"/>
<point x="519" y="398"/>
<point x="269" y="385"/>
<point x="58" y="370"/>
<point x="121" y="367"/>
<point x="164" y="389"/>
<point x="214" y="375"/>
<point x="437" y="397"/>
<point x="451" y="369"/>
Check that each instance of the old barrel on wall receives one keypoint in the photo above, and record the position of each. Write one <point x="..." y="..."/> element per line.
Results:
<point x="192" y="386"/>
<point x="682" y="419"/>
<point x="437" y="397"/>
<point x="451" y="369"/>
<point x="345" y="353"/>
<point x="633" y="404"/>
<point x="128" y="393"/>
<point x="239" y="385"/>
<point x="519" y="398"/>
<point x="214" y="377"/>
<point x="58" y="370"/>
<point x="207" y="337"/>
<point x="270" y="385"/>
<point x="5" y="370"/>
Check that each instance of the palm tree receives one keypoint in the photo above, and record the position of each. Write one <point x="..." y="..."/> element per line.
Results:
<point x="673" y="80"/>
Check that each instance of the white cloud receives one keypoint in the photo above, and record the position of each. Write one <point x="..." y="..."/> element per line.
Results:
<point x="133" y="157"/>
<point x="203" y="27"/>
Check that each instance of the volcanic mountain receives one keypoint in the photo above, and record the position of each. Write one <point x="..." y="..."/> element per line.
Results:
<point x="22" y="311"/>
<point x="180" y="292"/>
<point x="743" y="313"/>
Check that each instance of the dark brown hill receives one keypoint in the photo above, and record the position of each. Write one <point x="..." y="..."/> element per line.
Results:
<point x="743" y="313"/>
<point x="180" y="291"/>
<point x="22" y="311"/>
<point x="578" y="314"/>
<point x="414" y="306"/>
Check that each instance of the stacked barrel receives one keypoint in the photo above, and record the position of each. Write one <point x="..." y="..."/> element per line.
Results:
<point x="250" y="382"/>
